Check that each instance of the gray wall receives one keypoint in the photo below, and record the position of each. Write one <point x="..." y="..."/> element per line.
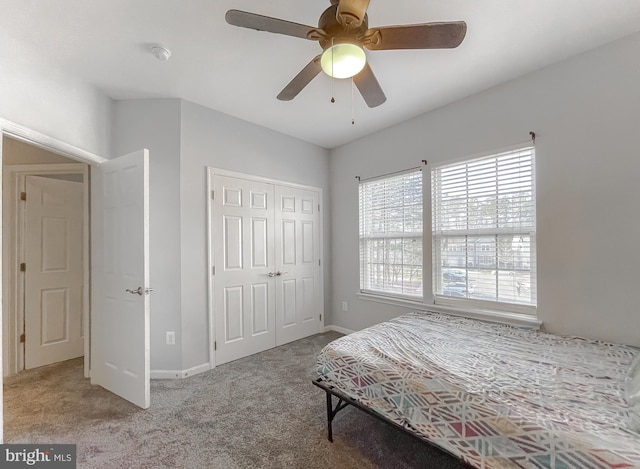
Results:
<point x="213" y="139"/>
<point x="59" y="106"/>
<point x="183" y="140"/>
<point x="155" y="124"/>
<point x="586" y="113"/>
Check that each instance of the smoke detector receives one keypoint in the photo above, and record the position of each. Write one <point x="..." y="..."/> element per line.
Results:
<point x="160" y="52"/>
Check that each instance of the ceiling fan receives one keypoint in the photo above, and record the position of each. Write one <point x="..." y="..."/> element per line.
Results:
<point x="343" y="33"/>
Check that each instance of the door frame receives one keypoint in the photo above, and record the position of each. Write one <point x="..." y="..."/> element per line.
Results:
<point x="14" y="179"/>
<point x="211" y="172"/>
<point x="32" y="137"/>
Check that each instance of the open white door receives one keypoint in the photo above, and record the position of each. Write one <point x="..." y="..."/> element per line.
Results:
<point x="120" y="277"/>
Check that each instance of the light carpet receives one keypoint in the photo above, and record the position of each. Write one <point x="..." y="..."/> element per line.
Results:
<point x="257" y="412"/>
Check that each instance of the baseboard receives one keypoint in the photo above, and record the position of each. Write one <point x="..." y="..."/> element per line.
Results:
<point x="180" y="374"/>
<point x="339" y="329"/>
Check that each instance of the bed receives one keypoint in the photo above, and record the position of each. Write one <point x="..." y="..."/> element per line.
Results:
<point x="493" y="395"/>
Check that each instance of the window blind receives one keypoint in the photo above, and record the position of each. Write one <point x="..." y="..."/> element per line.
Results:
<point x="391" y="235"/>
<point x="484" y="229"/>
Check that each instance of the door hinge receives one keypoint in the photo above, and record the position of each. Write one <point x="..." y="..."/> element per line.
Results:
<point x="23" y="267"/>
<point x="215" y="345"/>
<point x="213" y="270"/>
<point x="23" y="338"/>
<point x="213" y="195"/>
<point x="319" y="262"/>
<point x="23" y="196"/>
<point x="318" y="207"/>
<point x="321" y="317"/>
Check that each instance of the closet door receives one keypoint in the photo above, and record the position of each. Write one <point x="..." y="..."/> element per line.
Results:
<point x="297" y="252"/>
<point x="243" y="255"/>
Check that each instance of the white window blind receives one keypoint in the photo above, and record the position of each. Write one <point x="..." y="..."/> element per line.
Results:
<point x="484" y="229"/>
<point x="391" y="235"/>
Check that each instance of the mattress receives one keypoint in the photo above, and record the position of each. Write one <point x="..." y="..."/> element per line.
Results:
<point x="494" y="395"/>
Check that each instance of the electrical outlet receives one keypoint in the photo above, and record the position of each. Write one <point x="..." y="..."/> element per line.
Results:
<point x="171" y="338"/>
<point x="345" y="306"/>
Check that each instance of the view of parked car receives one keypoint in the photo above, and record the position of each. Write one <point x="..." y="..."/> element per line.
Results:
<point x="459" y="289"/>
<point x="454" y="275"/>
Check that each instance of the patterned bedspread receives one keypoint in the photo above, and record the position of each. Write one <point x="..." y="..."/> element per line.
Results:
<point x="494" y="395"/>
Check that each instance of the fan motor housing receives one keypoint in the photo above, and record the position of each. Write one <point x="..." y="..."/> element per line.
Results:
<point x="336" y="32"/>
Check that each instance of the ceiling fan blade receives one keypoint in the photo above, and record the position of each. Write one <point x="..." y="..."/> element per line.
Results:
<point x="244" y="19"/>
<point x="301" y="80"/>
<point x="369" y="87"/>
<point x="417" y="36"/>
<point x="351" y="13"/>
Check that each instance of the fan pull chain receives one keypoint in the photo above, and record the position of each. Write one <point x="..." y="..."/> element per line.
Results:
<point x="333" y="78"/>
<point x="353" y="118"/>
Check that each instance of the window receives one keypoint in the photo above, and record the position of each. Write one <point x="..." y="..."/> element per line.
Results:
<point x="391" y="235"/>
<point x="483" y="230"/>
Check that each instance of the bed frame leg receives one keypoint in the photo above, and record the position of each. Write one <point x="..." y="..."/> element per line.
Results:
<point x="330" y="416"/>
<point x="331" y="412"/>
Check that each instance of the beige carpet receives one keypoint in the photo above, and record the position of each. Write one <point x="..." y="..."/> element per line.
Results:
<point x="258" y="412"/>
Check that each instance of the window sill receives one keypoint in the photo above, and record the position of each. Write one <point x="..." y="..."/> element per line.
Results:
<point x="391" y="300"/>
<point x="517" y="319"/>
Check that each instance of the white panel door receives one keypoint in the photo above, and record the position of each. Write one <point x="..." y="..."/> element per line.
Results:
<point x="53" y="276"/>
<point x="120" y="277"/>
<point x="243" y="282"/>
<point x="297" y="250"/>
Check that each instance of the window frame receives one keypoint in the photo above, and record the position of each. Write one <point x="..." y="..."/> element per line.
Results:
<point x="518" y="314"/>
<point x="484" y="305"/>
<point x="362" y="239"/>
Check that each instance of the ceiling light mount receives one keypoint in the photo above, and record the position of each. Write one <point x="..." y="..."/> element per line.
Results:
<point x="160" y="52"/>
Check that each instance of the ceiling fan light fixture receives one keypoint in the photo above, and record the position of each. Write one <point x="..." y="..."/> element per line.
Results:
<point x="343" y="60"/>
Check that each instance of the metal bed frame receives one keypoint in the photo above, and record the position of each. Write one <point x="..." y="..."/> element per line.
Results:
<point x="345" y="400"/>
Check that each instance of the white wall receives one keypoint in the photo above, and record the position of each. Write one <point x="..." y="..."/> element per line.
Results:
<point x="56" y="105"/>
<point x="155" y="124"/>
<point x="213" y="139"/>
<point x="586" y="113"/>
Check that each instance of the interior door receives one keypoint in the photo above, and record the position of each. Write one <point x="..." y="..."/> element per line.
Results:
<point x="53" y="271"/>
<point x="120" y="277"/>
<point x="297" y="249"/>
<point x="244" y="277"/>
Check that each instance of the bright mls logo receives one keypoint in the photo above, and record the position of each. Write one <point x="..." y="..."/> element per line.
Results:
<point x="38" y="456"/>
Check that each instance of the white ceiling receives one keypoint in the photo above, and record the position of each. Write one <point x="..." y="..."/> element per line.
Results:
<point x="240" y="71"/>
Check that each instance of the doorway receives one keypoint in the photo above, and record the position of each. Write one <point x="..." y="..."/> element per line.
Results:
<point x="130" y="172"/>
<point x="45" y="252"/>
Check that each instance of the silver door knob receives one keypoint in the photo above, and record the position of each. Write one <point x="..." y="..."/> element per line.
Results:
<point x="139" y="291"/>
<point x="272" y="274"/>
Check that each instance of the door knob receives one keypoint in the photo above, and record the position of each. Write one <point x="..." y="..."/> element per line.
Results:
<point x="277" y="273"/>
<point x="139" y="291"/>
